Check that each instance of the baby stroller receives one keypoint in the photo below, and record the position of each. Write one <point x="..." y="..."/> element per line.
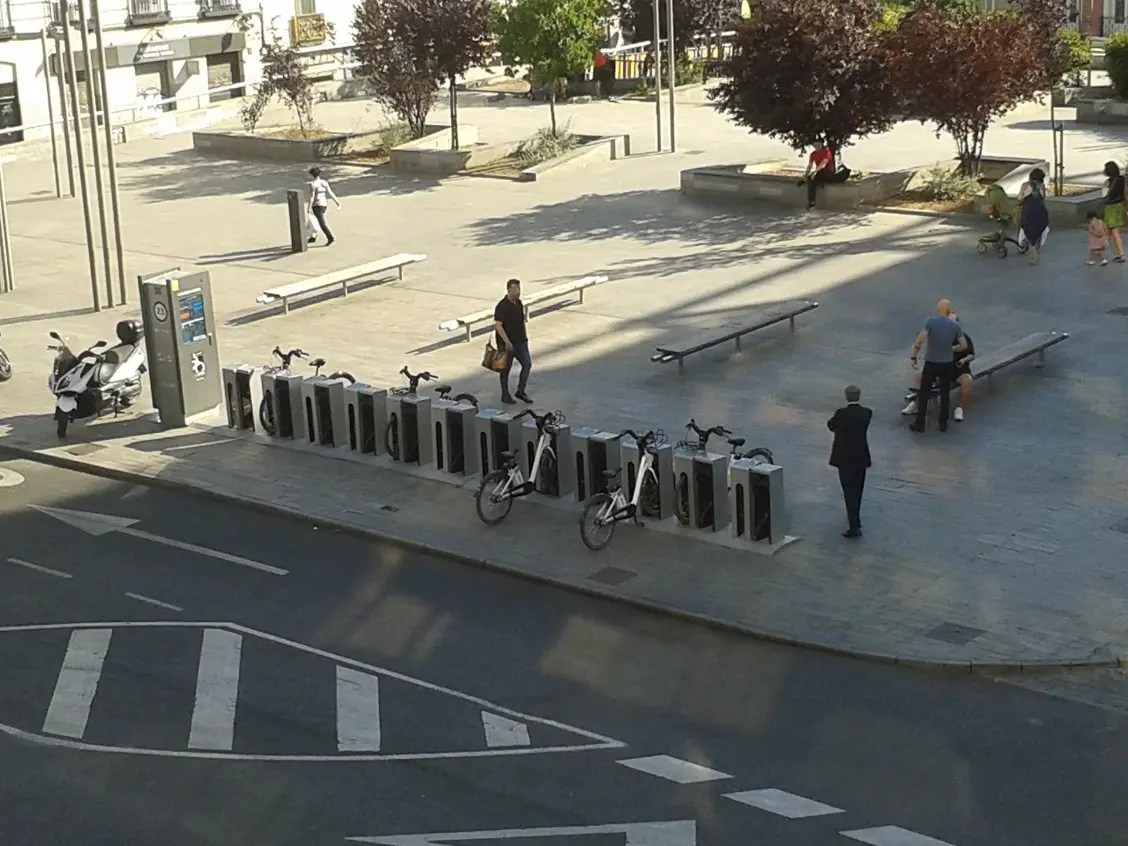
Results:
<point x="1004" y="211"/>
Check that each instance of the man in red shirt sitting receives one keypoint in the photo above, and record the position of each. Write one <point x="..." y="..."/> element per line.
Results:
<point x="821" y="170"/>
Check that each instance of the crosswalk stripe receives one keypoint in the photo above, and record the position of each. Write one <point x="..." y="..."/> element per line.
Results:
<point x="77" y="683"/>
<point x="217" y="691"/>
<point x="674" y="769"/>
<point x="502" y="731"/>
<point x="783" y="804"/>
<point x="891" y="835"/>
<point x="358" y="711"/>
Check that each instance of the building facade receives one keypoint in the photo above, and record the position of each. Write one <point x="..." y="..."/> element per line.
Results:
<point x="161" y="55"/>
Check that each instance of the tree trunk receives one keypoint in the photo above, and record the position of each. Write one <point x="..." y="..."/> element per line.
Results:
<point x="552" y="103"/>
<point x="453" y="114"/>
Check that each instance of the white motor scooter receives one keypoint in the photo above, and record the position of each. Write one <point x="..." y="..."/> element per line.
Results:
<point x="97" y="380"/>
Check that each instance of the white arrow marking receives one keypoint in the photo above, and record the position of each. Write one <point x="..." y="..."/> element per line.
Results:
<point x="10" y="478"/>
<point x="675" y="833"/>
<point x="103" y="524"/>
<point x="501" y="731"/>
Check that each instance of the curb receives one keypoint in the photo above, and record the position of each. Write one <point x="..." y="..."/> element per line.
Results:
<point x="275" y="509"/>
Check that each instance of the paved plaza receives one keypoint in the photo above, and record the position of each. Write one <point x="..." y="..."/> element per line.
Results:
<point x="1001" y="542"/>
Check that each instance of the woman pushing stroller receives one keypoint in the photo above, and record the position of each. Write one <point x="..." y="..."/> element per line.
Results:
<point x="1034" y="219"/>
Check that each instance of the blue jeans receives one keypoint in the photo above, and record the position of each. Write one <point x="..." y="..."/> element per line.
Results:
<point x="519" y="353"/>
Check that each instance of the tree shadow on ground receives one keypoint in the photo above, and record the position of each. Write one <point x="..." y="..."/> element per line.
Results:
<point x="186" y="175"/>
<point x="1096" y="136"/>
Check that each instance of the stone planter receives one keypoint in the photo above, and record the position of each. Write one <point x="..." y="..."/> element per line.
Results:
<point x="760" y="182"/>
<point x="241" y="145"/>
<point x="1071" y="95"/>
<point x="433" y="156"/>
<point x="606" y="148"/>
<point x="1102" y="111"/>
<point x="1009" y="172"/>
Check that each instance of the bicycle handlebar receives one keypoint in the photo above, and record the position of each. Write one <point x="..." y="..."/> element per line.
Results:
<point x="287" y="357"/>
<point x="705" y="434"/>
<point x="549" y="418"/>
<point x="414" y="379"/>
<point x="651" y="438"/>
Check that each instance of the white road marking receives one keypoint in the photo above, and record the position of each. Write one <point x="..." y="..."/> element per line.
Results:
<point x="674" y="769"/>
<point x="39" y="568"/>
<point x="598" y="741"/>
<point x="673" y="833"/>
<point x="783" y="804"/>
<point x="891" y="835"/>
<point x="102" y="524"/>
<point x="358" y="711"/>
<point x="10" y="478"/>
<point x="140" y="597"/>
<point x="77" y="683"/>
<point x="502" y="731"/>
<point x="217" y="691"/>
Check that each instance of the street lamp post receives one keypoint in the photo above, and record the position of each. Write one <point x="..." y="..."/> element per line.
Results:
<point x="672" y="70"/>
<point x="111" y="156"/>
<point x="51" y="116"/>
<point x="658" y="73"/>
<point x="60" y="75"/>
<point x="7" y="277"/>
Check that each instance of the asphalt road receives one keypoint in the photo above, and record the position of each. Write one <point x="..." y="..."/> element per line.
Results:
<point x="309" y="686"/>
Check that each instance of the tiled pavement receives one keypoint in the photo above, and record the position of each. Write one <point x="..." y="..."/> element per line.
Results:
<point x="1000" y="543"/>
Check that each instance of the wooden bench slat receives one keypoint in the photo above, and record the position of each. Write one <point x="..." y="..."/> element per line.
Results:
<point x="767" y="316"/>
<point x="338" y="277"/>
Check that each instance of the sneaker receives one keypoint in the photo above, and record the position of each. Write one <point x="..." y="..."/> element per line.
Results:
<point x="1091" y="263"/>
<point x="508" y="400"/>
<point x="521" y="395"/>
<point x="1104" y="262"/>
<point x="958" y="415"/>
<point x="943" y="427"/>
<point x="913" y="427"/>
<point x="312" y="239"/>
<point x="910" y="409"/>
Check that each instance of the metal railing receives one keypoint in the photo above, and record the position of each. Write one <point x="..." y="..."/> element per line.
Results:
<point x="6" y="17"/>
<point x="148" y="9"/>
<point x="218" y="8"/>
<point x="140" y="112"/>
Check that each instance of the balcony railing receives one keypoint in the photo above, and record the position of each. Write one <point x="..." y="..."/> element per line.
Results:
<point x="148" y="12"/>
<point x="219" y="8"/>
<point x="56" y="9"/>
<point x="6" y="28"/>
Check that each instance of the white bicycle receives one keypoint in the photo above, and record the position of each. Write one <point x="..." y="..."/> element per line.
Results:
<point x="498" y="489"/>
<point x="610" y="507"/>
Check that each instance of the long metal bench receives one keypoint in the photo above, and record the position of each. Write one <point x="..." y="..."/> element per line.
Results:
<point x="759" y="318"/>
<point x="466" y="323"/>
<point x="1034" y="344"/>
<point x="338" y="277"/>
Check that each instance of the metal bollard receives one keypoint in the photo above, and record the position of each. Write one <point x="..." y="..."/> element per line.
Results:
<point x="296" y="213"/>
<point x="756" y="499"/>
<point x="366" y="416"/>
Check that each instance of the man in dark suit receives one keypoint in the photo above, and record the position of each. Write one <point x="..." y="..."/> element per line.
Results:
<point x="850" y="455"/>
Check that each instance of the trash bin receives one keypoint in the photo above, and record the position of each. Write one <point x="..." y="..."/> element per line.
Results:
<point x="756" y="499"/>
<point x="701" y="488"/>
<point x="366" y="413"/>
<point x="664" y="469"/>
<point x="453" y="436"/>
<point x="326" y="415"/>
<point x="237" y="398"/>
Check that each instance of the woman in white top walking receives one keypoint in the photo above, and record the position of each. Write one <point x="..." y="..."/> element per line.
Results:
<point x="320" y="193"/>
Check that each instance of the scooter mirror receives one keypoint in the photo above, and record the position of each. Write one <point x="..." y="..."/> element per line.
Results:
<point x="55" y="335"/>
<point x="98" y="345"/>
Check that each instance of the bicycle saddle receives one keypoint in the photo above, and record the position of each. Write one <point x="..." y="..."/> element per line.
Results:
<point x="442" y="389"/>
<point x="737" y="442"/>
<point x="610" y="474"/>
<point x="317" y="362"/>
<point x="509" y="455"/>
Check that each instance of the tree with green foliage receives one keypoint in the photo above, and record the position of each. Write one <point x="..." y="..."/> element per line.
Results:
<point x="284" y="77"/>
<point x="691" y="18"/>
<point x="1116" y="63"/>
<point x="1080" y="49"/>
<point x="555" y="38"/>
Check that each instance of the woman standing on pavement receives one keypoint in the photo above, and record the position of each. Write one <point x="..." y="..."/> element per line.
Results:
<point x="1114" y="207"/>
<point x="1034" y="227"/>
<point x="319" y="193"/>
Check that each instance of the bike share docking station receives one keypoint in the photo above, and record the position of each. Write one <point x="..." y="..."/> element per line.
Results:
<point x="559" y="482"/>
<point x="282" y="393"/>
<point x="497" y="432"/>
<point x="181" y="346"/>
<point x="409" y="429"/>
<point x="703" y="476"/>
<point x="324" y="411"/>
<point x="593" y="451"/>
<point x="663" y="455"/>
<point x="453" y="434"/>
<point x="366" y="411"/>
<point x="756" y="502"/>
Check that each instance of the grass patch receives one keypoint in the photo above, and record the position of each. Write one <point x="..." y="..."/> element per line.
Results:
<point x="546" y="145"/>
<point x="293" y="133"/>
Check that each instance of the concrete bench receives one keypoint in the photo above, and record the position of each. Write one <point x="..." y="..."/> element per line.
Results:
<point x="1034" y="344"/>
<point x="338" y="277"/>
<point x="467" y="322"/>
<point x="760" y="318"/>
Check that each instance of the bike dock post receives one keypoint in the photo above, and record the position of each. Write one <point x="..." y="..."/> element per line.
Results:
<point x="561" y="483"/>
<point x="453" y="436"/>
<point x="237" y="399"/>
<point x="275" y="404"/>
<point x="756" y="499"/>
<point x="710" y="491"/>
<point x="593" y="451"/>
<point x="663" y="468"/>
<point x="296" y="415"/>
<point x="366" y="415"/>
<point x="323" y="402"/>
<point x="416" y="443"/>
<point x="485" y="451"/>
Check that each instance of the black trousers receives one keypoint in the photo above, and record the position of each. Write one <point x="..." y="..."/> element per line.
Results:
<point x="319" y="216"/>
<point x="853" y="485"/>
<point x="821" y="177"/>
<point x="941" y="374"/>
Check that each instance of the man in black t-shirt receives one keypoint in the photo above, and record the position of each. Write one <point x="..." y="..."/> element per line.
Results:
<point x="962" y="362"/>
<point x="513" y="337"/>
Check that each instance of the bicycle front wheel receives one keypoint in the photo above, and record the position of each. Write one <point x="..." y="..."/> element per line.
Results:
<point x="596" y="529"/>
<point x="493" y="502"/>
<point x="681" y="501"/>
<point x="391" y="438"/>
<point x="649" y="501"/>
<point x="266" y="415"/>
<point x="549" y="481"/>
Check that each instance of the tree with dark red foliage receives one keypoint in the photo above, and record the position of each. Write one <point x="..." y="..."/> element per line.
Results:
<point x="1047" y="19"/>
<point x="408" y="48"/>
<point x="691" y="18"/>
<point x="961" y="70"/>
<point x="803" y="72"/>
